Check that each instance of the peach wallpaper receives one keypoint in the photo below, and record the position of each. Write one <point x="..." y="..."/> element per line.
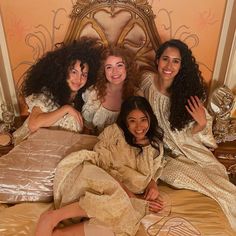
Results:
<point x="33" y="27"/>
<point x="198" y="23"/>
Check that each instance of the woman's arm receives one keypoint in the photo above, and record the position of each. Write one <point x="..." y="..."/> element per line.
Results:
<point x="38" y="118"/>
<point x="129" y="193"/>
<point x="154" y="203"/>
<point x="90" y="107"/>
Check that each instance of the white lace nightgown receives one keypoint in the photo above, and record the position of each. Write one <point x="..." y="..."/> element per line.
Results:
<point x="96" y="117"/>
<point x="193" y="166"/>
<point x="45" y="103"/>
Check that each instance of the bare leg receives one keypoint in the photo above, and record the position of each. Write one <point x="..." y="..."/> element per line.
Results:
<point x="83" y="229"/>
<point x="49" y="220"/>
<point x="73" y="230"/>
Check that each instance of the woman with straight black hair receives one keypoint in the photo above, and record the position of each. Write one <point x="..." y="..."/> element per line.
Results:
<point x="114" y="186"/>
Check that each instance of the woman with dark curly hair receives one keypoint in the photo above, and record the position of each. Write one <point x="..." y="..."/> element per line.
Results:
<point x="53" y="86"/>
<point x="176" y="93"/>
<point x="118" y="79"/>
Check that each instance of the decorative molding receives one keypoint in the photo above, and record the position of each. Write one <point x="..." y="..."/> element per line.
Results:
<point x="230" y="77"/>
<point x="87" y="20"/>
<point x="7" y="86"/>
<point x="85" y="5"/>
<point x="222" y="57"/>
<point x="41" y="40"/>
<point x="183" y="32"/>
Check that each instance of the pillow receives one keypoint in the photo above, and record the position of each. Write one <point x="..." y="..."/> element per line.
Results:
<point x="27" y="171"/>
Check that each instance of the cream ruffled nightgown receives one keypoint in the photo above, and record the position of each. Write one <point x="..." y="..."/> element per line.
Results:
<point x="88" y="177"/>
<point x="45" y="103"/>
<point x="96" y="117"/>
<point x="193" y="166"/>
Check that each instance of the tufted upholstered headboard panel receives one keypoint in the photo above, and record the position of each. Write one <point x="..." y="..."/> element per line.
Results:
<point x="128" y="23"/>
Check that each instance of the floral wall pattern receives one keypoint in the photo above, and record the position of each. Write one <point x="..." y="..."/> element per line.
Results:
<point x="34" y="27"/>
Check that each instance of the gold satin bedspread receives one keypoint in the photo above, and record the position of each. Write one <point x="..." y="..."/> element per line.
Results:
<point x="191" y="213"/>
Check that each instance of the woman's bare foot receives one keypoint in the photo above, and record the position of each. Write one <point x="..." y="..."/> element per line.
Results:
<point x="49" y="219"/>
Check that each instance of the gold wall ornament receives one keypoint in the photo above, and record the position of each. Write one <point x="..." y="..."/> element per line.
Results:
<point x="5" y="139"/>
<point x="221" y="103"/>
<point x="127" y="23"/>
<point x="8" y="117"/>
<point x="6" y="124"/>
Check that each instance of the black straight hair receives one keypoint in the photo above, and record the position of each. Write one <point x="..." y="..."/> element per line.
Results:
<point x="154" y="134"/>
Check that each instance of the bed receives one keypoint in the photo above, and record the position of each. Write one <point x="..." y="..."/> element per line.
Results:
<point x="187" y="213"/>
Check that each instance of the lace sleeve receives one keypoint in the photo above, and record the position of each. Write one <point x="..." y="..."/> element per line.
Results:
<point x="42" y="100"/>
<point x="91" y="105"/>
<point x="105" y="147"/>
<point x="107" y="138"/>
<point x="206" y="135"/>
<point x="147" y="78"/>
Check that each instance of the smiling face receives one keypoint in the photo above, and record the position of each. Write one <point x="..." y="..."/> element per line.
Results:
<point x="138" y="124"/>
<point x="169" y="64"/>
<point x="77" y="78"/>
<point x="115" y="70"/>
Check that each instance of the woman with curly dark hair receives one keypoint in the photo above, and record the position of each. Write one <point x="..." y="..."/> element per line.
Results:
<point x="53" y="86"/>
<point x="118" y="79"/>
<point x="176" y="93"/>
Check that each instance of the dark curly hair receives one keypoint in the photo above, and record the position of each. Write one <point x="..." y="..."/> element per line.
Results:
<point x="188" y="82"/>
<point x="154" y="134"/>
<point x="51" y="71"/>
<point x="132" y="81"/>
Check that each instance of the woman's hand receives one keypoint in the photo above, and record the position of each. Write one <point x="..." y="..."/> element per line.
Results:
<point x="196" y="109"/>
<point x="155" y="205"/>
<point x="38" y="118"/>
<point x="151" y="192"/>
<point x="76" y="114"/>
<point x="152" y="196"/>
<point x="128" y="192"/>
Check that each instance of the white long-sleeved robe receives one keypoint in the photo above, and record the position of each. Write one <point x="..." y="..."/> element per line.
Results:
<point x="192" y="165"/>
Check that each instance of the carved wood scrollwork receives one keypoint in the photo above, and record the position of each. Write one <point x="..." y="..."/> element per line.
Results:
<point x="128" y="23"/>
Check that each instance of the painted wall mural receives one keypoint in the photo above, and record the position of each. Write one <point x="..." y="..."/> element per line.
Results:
<point x="42" y="38"/>
<point x="32" y="28"/>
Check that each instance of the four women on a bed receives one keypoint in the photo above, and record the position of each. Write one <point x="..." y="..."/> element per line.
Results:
<point x="176" y="94"/>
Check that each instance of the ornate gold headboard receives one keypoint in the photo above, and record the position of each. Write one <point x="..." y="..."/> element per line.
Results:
<point x="128" y="23"/>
